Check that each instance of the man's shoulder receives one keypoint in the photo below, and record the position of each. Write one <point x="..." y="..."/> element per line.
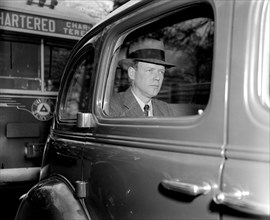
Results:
<point x="162" y="108"/>
<point x="117" y="102"/>
<point x="121" y="97"/>
<point x="120" y="102"/>
<point x="160" y="102"/>
<point x="117" y="97"/>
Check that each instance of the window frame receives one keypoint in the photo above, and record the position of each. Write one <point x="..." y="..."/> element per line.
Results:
<point x="263" y="85"/>
<point x="199" y="129"/>
<point x="120" y="34"/>
<point x="22" y="41"/>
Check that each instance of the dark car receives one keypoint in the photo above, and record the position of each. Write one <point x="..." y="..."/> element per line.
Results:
<point x="208" y="161"/>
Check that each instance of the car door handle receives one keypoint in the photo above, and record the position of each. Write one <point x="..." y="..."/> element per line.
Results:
<point x="186" y="188"/>
<point x="239" y="202"/>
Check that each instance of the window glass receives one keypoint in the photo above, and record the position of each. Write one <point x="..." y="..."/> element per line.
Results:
<point x="77" y="98"/>
<point x="188" y="40"/>
<point x="20" y="65"/>
<point x="55" y="58"/>
<point x="191" y="50"/>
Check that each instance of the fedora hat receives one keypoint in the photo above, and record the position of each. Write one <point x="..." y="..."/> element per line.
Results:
<point x="147" y="50"/>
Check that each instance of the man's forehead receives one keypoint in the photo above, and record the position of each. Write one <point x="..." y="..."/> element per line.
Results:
<point x="150" y="65"/>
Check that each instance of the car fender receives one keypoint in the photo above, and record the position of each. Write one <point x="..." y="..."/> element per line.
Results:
<point x="52" y="198"/>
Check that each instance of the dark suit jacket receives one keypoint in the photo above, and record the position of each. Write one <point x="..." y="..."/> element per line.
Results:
<point x="124" y="104"/>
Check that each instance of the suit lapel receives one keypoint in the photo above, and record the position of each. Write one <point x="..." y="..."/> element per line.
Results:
<point x="132" y="108"/>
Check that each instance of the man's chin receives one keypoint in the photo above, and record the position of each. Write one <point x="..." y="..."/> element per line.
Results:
<point x="153" y="94"/>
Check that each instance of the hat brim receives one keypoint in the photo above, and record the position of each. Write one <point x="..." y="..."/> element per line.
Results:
<point x="126" y="63"/>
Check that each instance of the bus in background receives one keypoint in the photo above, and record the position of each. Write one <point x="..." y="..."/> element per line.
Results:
<point x="36" y="38"/>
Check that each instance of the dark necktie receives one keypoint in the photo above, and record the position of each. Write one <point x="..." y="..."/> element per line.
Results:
<point x="146" y="110"/>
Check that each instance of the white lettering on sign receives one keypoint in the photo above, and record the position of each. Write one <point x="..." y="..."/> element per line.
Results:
<point x="17" y="20"/>
<point x="74" y="32"/>
<point x="74" y="25"/>
<point x="28" y="22"/>
<point x="76" y="29"/>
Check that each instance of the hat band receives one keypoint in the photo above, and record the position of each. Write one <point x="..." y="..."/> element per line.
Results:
<point x="148" y="54"/>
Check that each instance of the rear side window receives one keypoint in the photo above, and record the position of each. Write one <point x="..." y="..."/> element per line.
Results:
<point x="188" y="37"/>
<point x="77" y="97"/>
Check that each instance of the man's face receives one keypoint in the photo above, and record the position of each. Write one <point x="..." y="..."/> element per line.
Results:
<point x="147" y="78"/>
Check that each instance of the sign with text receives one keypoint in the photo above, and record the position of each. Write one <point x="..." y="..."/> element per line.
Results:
<point x="17" y="21"/>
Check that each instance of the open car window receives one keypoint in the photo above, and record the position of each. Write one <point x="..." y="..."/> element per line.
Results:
<point x="188" y="38"/>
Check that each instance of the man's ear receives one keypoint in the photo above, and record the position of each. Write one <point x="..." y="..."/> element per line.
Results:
<point x="131" y="73"/>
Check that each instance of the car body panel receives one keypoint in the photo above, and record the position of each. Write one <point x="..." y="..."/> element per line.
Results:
<point x="126" y="182"/>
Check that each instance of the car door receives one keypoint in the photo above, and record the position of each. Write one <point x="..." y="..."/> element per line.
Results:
<point x="161" y="168"/>
<point x="245" y="189"/>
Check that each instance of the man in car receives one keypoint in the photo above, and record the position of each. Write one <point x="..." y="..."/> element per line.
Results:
<point x="145" y="66"/>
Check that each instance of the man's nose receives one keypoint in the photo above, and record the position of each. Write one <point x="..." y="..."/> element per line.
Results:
<point x="157" y="76"/>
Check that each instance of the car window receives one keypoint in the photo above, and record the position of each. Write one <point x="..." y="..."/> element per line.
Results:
<point x="188" y="37"/>
<point x="77" y="98"/>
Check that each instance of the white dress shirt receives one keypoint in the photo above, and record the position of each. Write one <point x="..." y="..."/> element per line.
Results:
<point x="142" y="104"/>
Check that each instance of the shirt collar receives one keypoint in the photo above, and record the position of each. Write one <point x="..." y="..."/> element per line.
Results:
<point x="142" y="104"/>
